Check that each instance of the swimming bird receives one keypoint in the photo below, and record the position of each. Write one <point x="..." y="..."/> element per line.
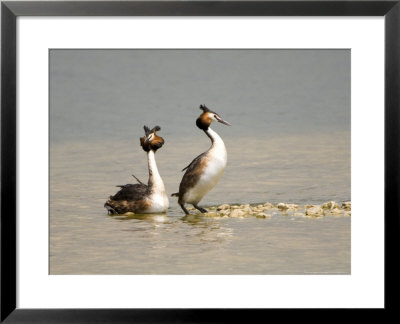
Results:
<point x="142" y="198"/>
<point x="203" y="173"/>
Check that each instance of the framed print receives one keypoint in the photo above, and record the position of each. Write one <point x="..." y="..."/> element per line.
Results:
<point x="295" y="106"/>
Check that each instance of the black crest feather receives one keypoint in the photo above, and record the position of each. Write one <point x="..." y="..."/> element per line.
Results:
<point x="146" y="130"/>
<point x="156" y="129"/>
<point x="204" y="108"/>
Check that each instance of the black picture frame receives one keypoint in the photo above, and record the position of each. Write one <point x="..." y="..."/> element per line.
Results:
<point x="10" y="10"/>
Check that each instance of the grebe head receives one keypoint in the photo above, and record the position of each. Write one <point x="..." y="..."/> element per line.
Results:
<point x="207" y="117"/>
<point x="151" y="141"/>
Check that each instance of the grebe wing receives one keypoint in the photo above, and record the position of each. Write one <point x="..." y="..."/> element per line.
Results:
<point x="195" y="162"/>
<point x="131" y="192"/>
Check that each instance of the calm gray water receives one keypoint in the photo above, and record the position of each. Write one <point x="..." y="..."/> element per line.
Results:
<point x="289" y="142"/>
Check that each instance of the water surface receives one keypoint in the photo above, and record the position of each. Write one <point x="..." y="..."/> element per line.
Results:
<point x="85" y="240"/>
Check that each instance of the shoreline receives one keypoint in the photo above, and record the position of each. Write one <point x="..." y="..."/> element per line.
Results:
<point x="267" y="210"/>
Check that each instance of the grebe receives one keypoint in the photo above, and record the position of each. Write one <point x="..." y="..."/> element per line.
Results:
<point x="203" y="173"/>
<point x="141" y="198"/>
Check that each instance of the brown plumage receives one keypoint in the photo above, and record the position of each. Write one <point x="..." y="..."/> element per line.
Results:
<point x="130" y="198"/>
<point x="192" y="175"/>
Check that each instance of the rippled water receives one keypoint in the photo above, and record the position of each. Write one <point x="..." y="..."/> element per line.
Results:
<point x="85" y="240"/>
<point x="290" y="142"/>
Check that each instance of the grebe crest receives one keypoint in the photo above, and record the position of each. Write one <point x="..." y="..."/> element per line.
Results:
<point x="151" y="141"/>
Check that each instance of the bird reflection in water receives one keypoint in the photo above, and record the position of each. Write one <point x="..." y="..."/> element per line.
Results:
<point x="208" y="229"/>
<point x="152" y="218"/>
<point x="200" y="229"/>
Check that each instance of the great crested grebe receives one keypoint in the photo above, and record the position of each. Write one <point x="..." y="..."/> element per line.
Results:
<point x="203" y="173"/>
<point x="141" y="198"/>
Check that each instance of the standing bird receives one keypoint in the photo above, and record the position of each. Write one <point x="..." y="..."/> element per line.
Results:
<point x="203" y="173"/>
<point x="141" y="198"/>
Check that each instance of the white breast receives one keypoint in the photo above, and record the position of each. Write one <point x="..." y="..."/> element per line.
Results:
<point x="159" y="203"/>
<point x="212" y="172"/>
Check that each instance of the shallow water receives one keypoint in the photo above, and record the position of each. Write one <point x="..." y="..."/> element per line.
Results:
<point x="160" y="244"/>
<point x="289" y="142"/>
<point x="85" y="240"/>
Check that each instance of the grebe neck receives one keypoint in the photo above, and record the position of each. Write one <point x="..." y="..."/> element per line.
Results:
<point x="155" y="182"/>
<point x="216" y="140"/>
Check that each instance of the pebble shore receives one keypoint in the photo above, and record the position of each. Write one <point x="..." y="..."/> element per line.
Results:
<point x="267" y="210"/>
